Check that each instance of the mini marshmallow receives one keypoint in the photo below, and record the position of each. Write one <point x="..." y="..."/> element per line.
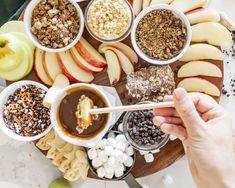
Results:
<point x="96" y="162"/>
<point x="108" y="169"/>
<point x="111" y="142"/>
<point x="172" y="137"/>
<point x="102" y="156"/>
<point x="121" y="146"/>
<point x="109" y="176"/>
<point x="111" y="135"/>
<point x="129" y="151"/>
<point x="101" y="172"/>
<point x="149" y="158"/>
<point x="117" y="154"/>
<point x="103" y="143"/>
<point x="108" y="150"/>
<point x="120" y="127"/>
<point x="129" y="162"/>
<point x="121" y="138"/>
<point x="123" y="158"/>
<point x="92" y="153"/>
<point x="112" y="162"/>
<point x="167" y="180"/>
<point x="119" y="170"/>
<point x="155" y="151"/>
<point x="143" y="152"/>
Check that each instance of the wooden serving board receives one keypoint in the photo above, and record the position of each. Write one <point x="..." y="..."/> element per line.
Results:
<point x="173" y="150"/>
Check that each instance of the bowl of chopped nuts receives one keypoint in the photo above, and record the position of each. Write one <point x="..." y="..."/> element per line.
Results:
<point x="109" y="21"/>
<point x="161" y="34"/>
<point x="22" y="114"/>
<point x="54" y="25"/>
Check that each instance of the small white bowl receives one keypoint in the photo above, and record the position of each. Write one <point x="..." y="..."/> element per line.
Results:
<point x="178" y="14"/>
<point x="27" y="25"/>
<point x="60" y="131"/>
<point x="3" y="98"/>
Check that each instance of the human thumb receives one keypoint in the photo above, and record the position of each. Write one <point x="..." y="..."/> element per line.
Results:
<point x="186" y="109"/>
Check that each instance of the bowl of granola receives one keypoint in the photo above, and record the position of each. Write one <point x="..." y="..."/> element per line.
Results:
<point x="161" y="34"/>
<point x="22" y="114"/>
<point x="54" y="25"/>
<point x="109" y="21"/>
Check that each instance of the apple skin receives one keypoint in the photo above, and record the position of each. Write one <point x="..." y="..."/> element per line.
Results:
<point x="67" y="73"/>
<point x="41" y="74"/>
<point x="194" y="11"/>
<point x="196" y="84"/>
<point x="85" y="65"/>
<point x="202" y="51"/>
<point x="216" y="34"/>
<point x="85" y="50"/>
<point x="136" y="6"/>
<point x="199" y="68"/>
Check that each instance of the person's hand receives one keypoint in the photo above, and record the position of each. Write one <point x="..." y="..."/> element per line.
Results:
<point x="205" y="129"/>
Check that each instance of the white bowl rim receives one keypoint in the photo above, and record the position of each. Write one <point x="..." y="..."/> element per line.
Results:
<point x="61" y="134"/>
<point x="175" y="11"/>
<point x="27" y="25"/>
<point x="3" y="97"/>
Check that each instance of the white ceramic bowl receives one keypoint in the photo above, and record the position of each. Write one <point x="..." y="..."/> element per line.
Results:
<point x="3" y="98"/>
<point x="178" y="14"/>
<point x="27" y="25"/>
<point x="72" y="139"/>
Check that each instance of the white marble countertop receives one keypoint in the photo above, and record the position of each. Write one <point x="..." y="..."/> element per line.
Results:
<point x="23" y="166"/>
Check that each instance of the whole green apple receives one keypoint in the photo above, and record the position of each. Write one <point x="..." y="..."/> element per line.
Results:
<point x="60" y="183"/>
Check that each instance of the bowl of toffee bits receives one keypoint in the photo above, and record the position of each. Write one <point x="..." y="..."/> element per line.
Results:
<point x="141" y="133"/>
<point x="161" y="34"/>
<point x="54" y="25"/>
<point x="22" y="114"/>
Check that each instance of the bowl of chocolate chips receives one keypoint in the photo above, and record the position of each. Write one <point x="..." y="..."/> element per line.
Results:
<point x="54" y="25"/>
<point x="141" y="133"/>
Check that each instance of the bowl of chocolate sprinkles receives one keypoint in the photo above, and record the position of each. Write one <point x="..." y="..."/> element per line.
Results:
<point x="22" y="114"/>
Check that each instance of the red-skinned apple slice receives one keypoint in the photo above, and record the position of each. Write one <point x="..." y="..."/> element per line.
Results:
<point x="82" y="63"/>
<point x="38" y="68"/>
<point x="124" y="49"/>
<point x="114" y="68"/>
<point x="145" y="3"/>
<point x="51" y="65"/>
<point x="136" y="6"/>
<point x="199" y="85"/>
<point x="188" y="5"/>
<point x="60" y="82"/>
<point x="153" y="2"/>
<point x="90" y="54"/>
<point x="124" y="61"/>
<point x="72" y="70"/>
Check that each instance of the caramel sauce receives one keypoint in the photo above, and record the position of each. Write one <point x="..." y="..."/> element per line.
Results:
<point x="66" y="113"/>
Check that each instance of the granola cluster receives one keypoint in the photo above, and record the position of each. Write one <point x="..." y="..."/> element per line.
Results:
<point x="151" y="83"/>
<point x="55" y="23"/>
<point x="161" y="35"/>
<point x="109" y="19"/>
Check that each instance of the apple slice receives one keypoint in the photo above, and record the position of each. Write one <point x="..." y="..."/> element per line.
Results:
<point x="160" y="1"/>
<point x="51" y="65"/>
<point x="125" y="63"/>
<point x="90" y="54"/>
<point x="13" y="26"/>
<point x="145" y="3"/>
<point x="124" y="49"/>
<point x="61" y="81"/>
<point x="82" y="63"/>
<point x="199" y="68"/>
<point x="216" y="34"/>
<point x="203" y="15"/>
<point x="71" y="70"/>
<point x="38" y="68"/>
<point x="199" y="85"/>
<point x="136" y="6"/>
<point x="114" y="68"/>
<point x="188" y="5"/>
<point x="202" y="51"/>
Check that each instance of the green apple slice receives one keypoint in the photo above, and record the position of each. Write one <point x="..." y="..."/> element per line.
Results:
<point x="19" y="72"/>
<point x="13" y="26"/>
<point x="11" y="53"/>
<point x="28" y="45"/>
